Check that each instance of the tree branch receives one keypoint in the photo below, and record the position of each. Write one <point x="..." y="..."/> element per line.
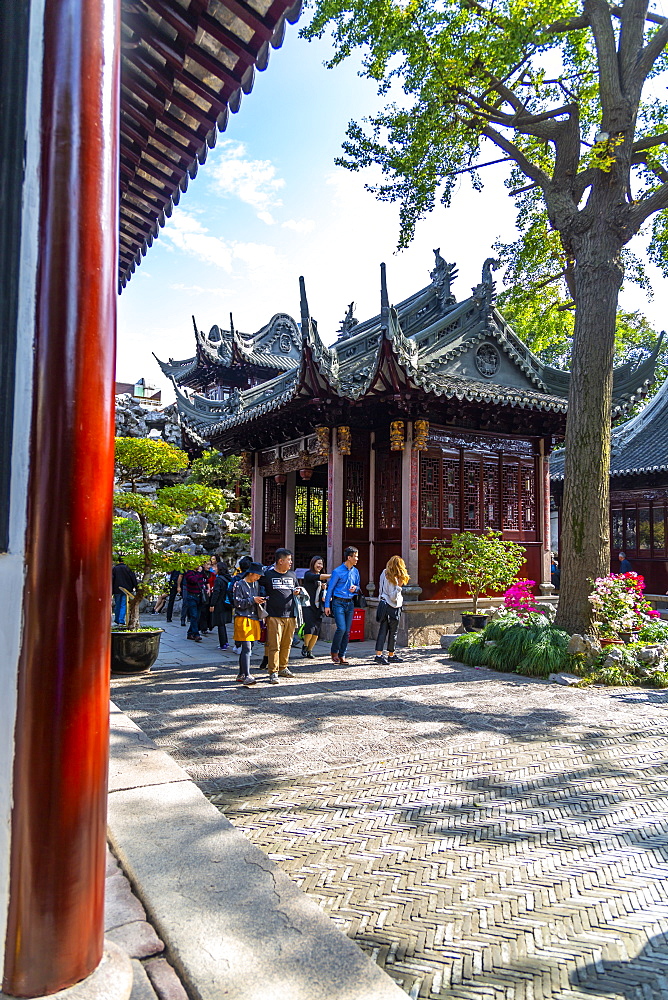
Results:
<point x="651" y="53"/>
<point x="631" y="38"/>
<point x="655" y="202"/>
<point x="657" y="169"/>
<point x="650" y="142"/>
<point x="523" y="162"/>
<point x="610" y="90"/>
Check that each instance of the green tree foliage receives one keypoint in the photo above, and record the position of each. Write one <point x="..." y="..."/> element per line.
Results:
<point x="483" y="563"/>
<point x="138" y="460"/>
<point x="558" y="91"/>
<point x="226" y="472"/>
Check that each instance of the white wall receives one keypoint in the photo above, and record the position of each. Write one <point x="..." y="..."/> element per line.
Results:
<point x="12" y="562"/>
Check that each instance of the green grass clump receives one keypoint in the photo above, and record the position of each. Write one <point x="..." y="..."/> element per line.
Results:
<point x="658" y="680"/>
<point x="546" y="655"/>
<point x="467" y="648"/>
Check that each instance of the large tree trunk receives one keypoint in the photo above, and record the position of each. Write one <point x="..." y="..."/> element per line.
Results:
<point x="585" y="536"/>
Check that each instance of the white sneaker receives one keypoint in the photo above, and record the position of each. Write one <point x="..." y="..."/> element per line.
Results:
<point x="285" y="672"/>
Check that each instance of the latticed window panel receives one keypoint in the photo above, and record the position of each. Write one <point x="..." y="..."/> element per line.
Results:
<point x="510" y="500"/>
<point x="430" y="493"/>
<point x="528" y="497"/>
<point x="659" y="542"/>
<point x="471" y="495"/>
<point x="354" y="494"/>
<point x="491" y="512"/>
<point x="644" y="537"/>
<point x="617" y="529"/>
<point x="451" y="497"/>
<point x="301" y="510"/>
<point x="388" y="490"/>
<point x="274" y="511"/>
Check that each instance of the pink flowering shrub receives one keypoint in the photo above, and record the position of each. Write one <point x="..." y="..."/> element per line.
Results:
<point x="618" y="603"/>
<point x="520" y="598"/>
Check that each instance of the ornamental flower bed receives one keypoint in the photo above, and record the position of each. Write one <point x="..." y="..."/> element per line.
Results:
<point x="525" y="642"/>
<point x="618" y="604"/>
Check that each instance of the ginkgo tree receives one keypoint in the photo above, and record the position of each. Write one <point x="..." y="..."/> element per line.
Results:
<point x="564" y="93"/>
<point x="139" y="460"/>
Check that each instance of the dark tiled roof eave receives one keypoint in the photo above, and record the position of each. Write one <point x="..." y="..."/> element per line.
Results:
<point x="183" y="69"/>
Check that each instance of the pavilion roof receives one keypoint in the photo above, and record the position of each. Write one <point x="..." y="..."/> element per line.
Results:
<point x="427" y="347"/>
<point x="185" y="65"/>
<point x="638" y="446"/>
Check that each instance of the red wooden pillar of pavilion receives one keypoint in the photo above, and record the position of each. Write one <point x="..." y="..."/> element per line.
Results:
<point x="55" y="918"/>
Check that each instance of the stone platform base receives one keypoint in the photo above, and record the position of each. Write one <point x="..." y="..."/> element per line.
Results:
<point x="112" y="980"/>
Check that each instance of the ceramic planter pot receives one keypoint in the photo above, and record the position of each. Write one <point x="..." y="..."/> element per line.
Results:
<point x="611" y="642"/>
<point x="134" y="652"/>
<point x="629" y="636"/>
<point x="474" y="623"/>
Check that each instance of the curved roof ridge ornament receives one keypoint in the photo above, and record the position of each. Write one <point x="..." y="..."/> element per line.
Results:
<point x="442" y="277"/>
<point x="628" y="378"/>
<point x="405" y="349"/>
<point x="325" y="359"/>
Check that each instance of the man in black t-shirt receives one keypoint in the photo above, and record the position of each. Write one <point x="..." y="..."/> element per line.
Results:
<point x="280" y="585"/>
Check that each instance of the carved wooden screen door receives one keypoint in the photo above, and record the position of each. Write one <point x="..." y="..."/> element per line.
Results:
<point x="273" y="520"/>
<point x="311" y="518"/>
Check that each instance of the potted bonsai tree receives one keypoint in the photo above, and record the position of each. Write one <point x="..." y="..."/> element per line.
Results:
<point x="484" y="563"/>
<point x="135" y="647"/>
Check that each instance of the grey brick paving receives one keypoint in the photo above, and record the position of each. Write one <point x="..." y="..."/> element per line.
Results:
<point x="480" y="835"/>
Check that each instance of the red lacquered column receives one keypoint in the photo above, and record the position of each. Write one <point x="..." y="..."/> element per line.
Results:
<point x="55" y="919"/>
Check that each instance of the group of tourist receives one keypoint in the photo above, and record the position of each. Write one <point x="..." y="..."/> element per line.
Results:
<point x="270" y="602"/>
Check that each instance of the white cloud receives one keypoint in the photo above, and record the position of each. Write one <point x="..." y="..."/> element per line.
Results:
<point x="221" y="293"/>
<point x="302" y="226"/>
<point x="252" y="181"/>
<point x="187" y="233"/>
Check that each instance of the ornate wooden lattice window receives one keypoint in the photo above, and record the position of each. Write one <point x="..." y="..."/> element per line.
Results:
<point x="430" y="493"/>
<point x="471" y="495"/>
<point x="528" y="497"/>
<point x="310" y="510"/>
<point x="491" y="513"/>
<point x="451" y="495"/>
<point x="274" y="510"/>
<point x="354" y="494"/>
<point x="510" y="501"/>
<point x="388" y="490"/>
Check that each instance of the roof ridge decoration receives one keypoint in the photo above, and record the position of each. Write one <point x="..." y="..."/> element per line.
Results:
<point x="324" y="358"/>
<point x="404" y="348"/>
<point x="348" y="324"/>
<point x="442" y="278"/>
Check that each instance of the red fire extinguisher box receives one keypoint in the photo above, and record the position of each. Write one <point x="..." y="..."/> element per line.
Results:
<point x="357" y="627"/>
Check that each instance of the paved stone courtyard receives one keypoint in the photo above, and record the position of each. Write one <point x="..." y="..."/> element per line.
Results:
<point x="479" y="834"/>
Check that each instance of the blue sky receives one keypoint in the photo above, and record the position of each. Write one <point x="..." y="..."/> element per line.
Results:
<point x="269" y="205"/>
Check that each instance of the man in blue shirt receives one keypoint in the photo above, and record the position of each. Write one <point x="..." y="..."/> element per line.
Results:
<point x="343" y="584"/>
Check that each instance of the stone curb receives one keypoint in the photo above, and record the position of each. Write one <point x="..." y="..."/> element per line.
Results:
<point x="233" y="923"/>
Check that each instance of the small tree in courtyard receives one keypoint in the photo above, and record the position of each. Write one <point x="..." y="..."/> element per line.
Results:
<point x="483" y="563"/>
<point x="559" y="92"/>
<point x="139" y="459"/>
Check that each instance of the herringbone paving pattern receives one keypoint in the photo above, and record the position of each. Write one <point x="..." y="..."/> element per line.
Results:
<point x="504" y="868"/>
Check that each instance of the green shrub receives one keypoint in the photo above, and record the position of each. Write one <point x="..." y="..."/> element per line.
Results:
<point x="546" y="655"/>
<point x="653" y="632"/>
<point x="466" y="648"/>
<point x="613" y="677"/>
<point x="658" y="680"/>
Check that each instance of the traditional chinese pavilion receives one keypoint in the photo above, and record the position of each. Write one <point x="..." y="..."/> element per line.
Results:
<point x="638" y="492"/>
<point x="429" y="418"/>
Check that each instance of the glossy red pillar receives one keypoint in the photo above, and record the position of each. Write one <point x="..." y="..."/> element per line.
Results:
<point x="55" y="919"/>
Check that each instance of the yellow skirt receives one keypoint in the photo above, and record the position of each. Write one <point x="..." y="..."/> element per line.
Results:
<point x="246" y="629"/>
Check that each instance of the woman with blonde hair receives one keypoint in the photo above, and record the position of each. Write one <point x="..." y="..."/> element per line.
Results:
<point x="390" y="601"/>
